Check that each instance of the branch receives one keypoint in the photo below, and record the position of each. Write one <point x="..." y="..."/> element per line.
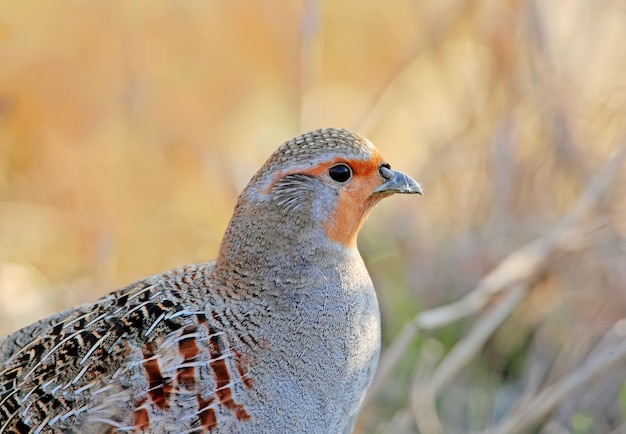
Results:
<point x="459" y="357"/>
<point x="545" y="402"/>
<point x="516" y="268"/>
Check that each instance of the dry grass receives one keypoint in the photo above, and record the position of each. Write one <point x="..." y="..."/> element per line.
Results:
<point x="127" y="129"/>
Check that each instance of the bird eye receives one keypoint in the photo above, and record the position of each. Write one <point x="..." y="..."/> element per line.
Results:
<point x="340" y="172"/>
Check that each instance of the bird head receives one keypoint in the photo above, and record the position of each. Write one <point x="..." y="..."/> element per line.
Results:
<point x="318" y="186"/>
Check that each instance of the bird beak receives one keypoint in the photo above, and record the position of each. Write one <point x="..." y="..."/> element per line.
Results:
<point x="399" y="182"/>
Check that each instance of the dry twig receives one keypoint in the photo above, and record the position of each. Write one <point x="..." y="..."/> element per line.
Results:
<point x="518" y="267"/>
<point x="547" y="400"/>
<point x="462" y="354"/>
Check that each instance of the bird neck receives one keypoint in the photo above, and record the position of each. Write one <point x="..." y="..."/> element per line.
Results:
<point x="266" y="243"/>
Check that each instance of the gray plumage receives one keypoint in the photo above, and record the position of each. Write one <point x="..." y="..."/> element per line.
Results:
<point x="280" y="334"/>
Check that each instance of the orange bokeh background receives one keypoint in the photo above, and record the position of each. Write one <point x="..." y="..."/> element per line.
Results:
<point x="128" y="128"/>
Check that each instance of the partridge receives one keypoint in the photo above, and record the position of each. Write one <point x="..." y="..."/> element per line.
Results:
<point x="280" y="334"/>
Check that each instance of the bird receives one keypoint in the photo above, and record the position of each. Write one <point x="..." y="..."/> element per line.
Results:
<point x="280" y="334"/>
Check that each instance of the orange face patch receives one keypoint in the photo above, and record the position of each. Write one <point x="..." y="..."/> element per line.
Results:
<point x="355" y="201"/>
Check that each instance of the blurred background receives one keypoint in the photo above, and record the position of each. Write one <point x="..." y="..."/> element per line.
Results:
<point x="128" y="128"/>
